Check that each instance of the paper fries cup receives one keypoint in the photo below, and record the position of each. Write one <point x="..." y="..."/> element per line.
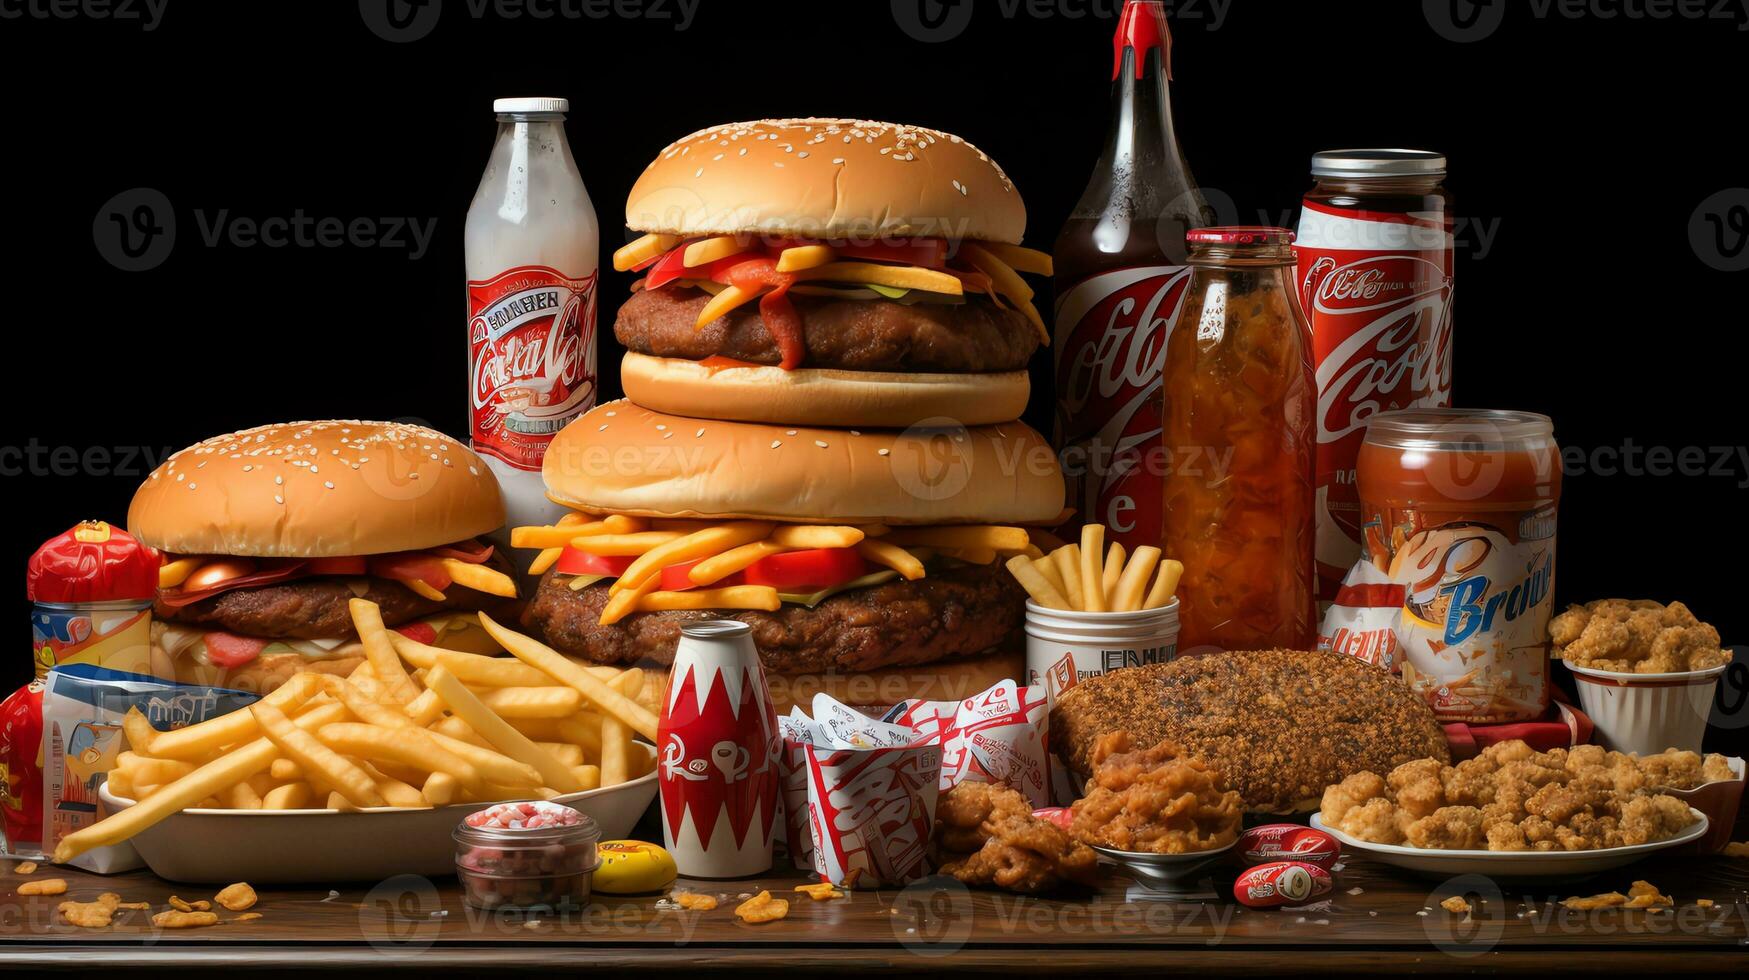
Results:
<point x="1648" y="713"/>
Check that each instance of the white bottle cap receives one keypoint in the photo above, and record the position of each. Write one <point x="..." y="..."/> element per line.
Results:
<point x="531" y="105"/>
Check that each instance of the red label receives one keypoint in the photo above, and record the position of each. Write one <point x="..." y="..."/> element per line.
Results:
<point x="1110" y="348"/>
<point x="531" y="358"/>
<point x="1377" y="289"/>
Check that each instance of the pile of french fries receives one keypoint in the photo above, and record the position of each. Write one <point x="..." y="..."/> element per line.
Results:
<point x="413" y="726"/>
<point x="1088" y="577"/>
<point x="723" y="548"/>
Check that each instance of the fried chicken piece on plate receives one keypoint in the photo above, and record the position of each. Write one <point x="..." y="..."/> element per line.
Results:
<point x="1648" y="819"/>
<point x="1153" y="800"/>
<point x="986" y="835"/>
<point x="1451" y="828"/>
<point x="1348" y="794"/>
<point x="1377" y="821"/>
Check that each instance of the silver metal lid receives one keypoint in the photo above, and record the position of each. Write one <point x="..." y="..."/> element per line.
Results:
<point x="1378" y="163"/>
<point x="537" y="104"/>
<point x="715" y="629"/>
<point x="1447" y="429"/>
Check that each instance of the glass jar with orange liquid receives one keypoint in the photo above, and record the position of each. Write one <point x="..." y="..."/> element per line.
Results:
<point x="1238" y="420"/>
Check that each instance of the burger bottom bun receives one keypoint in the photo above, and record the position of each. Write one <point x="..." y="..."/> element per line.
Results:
<point x="822" y="396"/>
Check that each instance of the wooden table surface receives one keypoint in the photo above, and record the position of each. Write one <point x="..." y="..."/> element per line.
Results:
<point x="1377" y="920"/>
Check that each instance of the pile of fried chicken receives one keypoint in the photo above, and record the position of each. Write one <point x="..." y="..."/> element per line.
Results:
<point x="1512" y="798"/>
<point x="1636" y="636"/>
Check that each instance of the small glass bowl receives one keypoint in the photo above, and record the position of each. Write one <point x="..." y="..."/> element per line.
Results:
<point x="543" y="868"/>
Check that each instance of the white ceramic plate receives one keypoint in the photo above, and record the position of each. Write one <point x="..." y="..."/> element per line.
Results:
<point x="292" y="846"/>
<point x="1511" y="866"/>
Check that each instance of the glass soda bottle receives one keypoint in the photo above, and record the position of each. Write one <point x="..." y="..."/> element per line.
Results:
<point x="1238" y="407"/>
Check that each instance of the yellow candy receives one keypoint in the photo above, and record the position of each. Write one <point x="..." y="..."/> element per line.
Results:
<point x="632" y="866"/>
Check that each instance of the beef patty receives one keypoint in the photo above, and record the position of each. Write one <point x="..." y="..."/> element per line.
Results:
<point x="853" y="335"/>
<point x="953" y="612"/>
<point x="314" y="608"/>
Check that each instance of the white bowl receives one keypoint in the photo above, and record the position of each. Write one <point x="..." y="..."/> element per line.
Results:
<point x="1648" y="713"/>
<point x="266" y="847"/>
<point x="1511" y="866"/>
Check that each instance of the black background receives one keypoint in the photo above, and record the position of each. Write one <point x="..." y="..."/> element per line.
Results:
<point x="1584" y="145"/>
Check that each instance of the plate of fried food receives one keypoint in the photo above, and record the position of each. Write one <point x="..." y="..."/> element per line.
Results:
<point x="1515" y="814"/>
<point x="330" y="778"/>
<point x="1160" y="816"/>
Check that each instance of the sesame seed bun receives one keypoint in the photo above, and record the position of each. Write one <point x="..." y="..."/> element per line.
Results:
<point x="317" y="490"/>
<point x="826" y="178"/>
<point x="877" y="399"/>
<point x="624" y="459"/>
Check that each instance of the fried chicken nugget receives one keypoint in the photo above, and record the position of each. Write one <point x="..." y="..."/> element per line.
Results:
<point x="1352" y="792"/>
<point x="1008" y="847"/>
<point x="1377" y="820"/>
<point x="1451" y="828"/>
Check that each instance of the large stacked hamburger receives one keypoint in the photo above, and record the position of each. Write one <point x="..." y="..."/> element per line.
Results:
<point x="827" y="355"/>
<point x="268" y="533"/>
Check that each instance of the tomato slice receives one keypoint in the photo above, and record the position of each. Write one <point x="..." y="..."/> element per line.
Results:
<point x="410" y="566"/>
<point x="335" y="566"/>
<point x="230" y="650"/>
<point x="418" y="632"/>
<point x="775" y="309"/>
<point x="675" y="578"/>
<point x="807" y="571"/>
<point x="574" y="562"/>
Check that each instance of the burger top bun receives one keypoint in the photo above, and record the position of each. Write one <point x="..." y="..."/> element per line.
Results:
<point x="826" y="178"/>
<point x="622" y="459"/>
<point x="315" y="490"/>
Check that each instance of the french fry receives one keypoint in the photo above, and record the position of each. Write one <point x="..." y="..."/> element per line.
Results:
<point x="1068" y="562"/>
<point x="1127" y="596"/>
<point x="286" y="770"/>
<point x="477" y="671"/>
<point x="568" y="528"/>
<point x="315" y="757"/>
<point x="892" y="556"/>
<point x="407" y="746"/>
<point x="694" y="546"/>
<point x="624" y="545"/>
<point x="993" y="537"/>
<point x="121" y="783"/>
<point x="140" y="733"/>
<point x="367" y="618"/>
<point x="616" y="739"/>
<point x="1114" y="565"/>
<point x="291" y="796"/>
<point x="583" y="729"/>
<point x="718" y="567"/>
<point x="531" y="702"/>
<point x="241" y="797"/>
<point x="567" y="753"/>
<point x="400" y="794"/>
<point x="261" y="782"/>
<point x="589" y="776"/>
<point x="453" y="727"/>
<point x="146" y="770"/>
<point x="550" y="662"/>
<point x="480" y="578"/>
<point x="336" y="801"/>
<point x="1032" y="551"/>
<point x="424" y="589"/>
<point x="733" y="597"/>
<point x="424" y="709"/>
<point x="1042" y="591"/>
<point x="503" y="737"/>
<point x="367" y="710"/>
<point x="203" y="739"/>
<point x="1165" y="584"/>
<point x="440" y="788"/>
<point x="976" y="556"/>
<point x="815" y="536"/>
<point x="624" y="603"/>
<point x="227" y="770"/>
<point x="1092" y="570"/>
<point x="1048" y="568"/>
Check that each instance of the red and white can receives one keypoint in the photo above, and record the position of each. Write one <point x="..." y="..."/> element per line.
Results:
<point x="717" y="750"/>
<point x="1288" y="842"/>
<point x="1374" y="253"/>
<point x="1274" y="885"/>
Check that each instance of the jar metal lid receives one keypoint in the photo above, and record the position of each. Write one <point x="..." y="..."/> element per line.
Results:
<point x="1378" y="163"/>
<point x="1459" y="428"/>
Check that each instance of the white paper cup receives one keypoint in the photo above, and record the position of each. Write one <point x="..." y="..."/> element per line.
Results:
<point x="1648" y="713"/>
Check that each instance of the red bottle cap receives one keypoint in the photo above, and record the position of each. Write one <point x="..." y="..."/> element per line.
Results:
<point x="1240" y="235"/>
<point x="93" y="562"/>
<point x="1142" y="26"/>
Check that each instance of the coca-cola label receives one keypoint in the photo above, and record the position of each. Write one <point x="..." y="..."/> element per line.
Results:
<point x="1110" y="347"/>
<point x="531" y="358"/>
<point x="1377" y="288"/>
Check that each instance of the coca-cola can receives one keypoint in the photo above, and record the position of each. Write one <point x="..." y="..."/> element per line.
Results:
<point x="1270" y="886"/>
<point x="1288" y="842"/>
<point x="1374" y="253"/>
<point x="717" y="745"/>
